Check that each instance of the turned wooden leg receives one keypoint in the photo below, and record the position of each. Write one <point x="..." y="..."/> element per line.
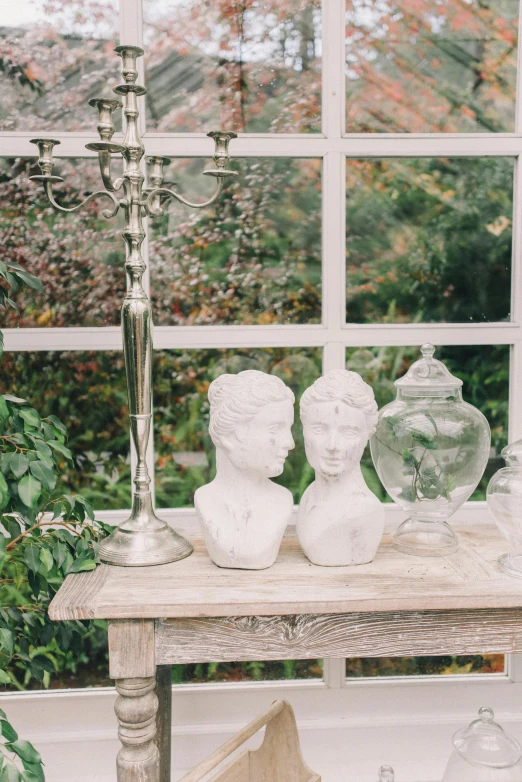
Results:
<point x="132" y="664"/>
<point x="164" y="718"/>
<point x="136" y="707"/>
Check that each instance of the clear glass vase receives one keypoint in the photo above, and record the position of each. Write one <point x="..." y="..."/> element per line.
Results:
<point x="504" y="497"/>
<point x="430" y="450"/>
<point x="484" y="752"/>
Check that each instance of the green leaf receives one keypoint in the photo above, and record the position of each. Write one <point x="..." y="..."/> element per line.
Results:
<point x="33" y="772"/>
<point x="59" y="552"/>
<point x="43" y="449"/>
<point x="4" y="492"/>
<point x="57" y="423"/>
<point x="7" y="640"/>
<point x="15" y="399"/>
<point x="47" y="559"/>
<point x="30" y="416"/>
<point x="3" y="544"/>
<point x="58" y="446"/>
<point x="32" y="558"/>
<point x="43" y="473"/>
<point x="29" y="774"/>
<point x="7" y="730"/>
<point x="18" y="464"/>
<point x="29" y="490"/>
<point x="9" y="773"/>
<point x="81" y="564"/>
<point x="43" y="662"/>
<point x="408" y="494"/>
<point x="25" y="751"/>
<point x="87" y="505"/>
<point x="30" y="280"/>
<point x="4" y="410"/>
<point x="4" y="677"/>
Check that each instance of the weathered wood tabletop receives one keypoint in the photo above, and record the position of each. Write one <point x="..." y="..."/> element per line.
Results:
<point x="195" y="587"/>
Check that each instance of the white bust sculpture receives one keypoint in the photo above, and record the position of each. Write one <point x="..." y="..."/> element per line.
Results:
<point x="243" y="514"/>
<point x="340" y="521"/>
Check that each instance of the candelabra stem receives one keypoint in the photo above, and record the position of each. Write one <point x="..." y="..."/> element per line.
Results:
<point x="143" y="539"/>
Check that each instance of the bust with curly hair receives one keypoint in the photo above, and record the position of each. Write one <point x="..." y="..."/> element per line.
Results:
<point x="243" y="514"/>
<point x="340" y="520"/>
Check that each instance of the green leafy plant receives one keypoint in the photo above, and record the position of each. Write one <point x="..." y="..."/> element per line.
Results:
<point x="18" y="758"/>
<point x="45" y="534"/>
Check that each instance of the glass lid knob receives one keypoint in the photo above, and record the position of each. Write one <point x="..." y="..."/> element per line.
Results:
<point x="386" y="774"/>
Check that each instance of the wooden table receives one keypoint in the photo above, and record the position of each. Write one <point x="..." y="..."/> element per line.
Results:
<point x="192" y="611"/>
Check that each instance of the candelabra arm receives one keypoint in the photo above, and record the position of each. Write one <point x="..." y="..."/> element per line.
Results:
<point x="102" y="193"/>
<point x="104" y="159"/>
<point x="155" y="210"/>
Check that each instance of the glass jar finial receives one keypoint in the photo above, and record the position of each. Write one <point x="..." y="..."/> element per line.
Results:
<point x="428" y="350"/>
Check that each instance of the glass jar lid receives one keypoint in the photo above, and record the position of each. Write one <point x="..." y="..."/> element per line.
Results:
<point x="428" y="376"/>
<point x="485" y="743"/>
<point x="512" y="453"/>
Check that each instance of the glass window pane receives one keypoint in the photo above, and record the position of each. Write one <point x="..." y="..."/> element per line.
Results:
<point x="484" y="369"/>
<point x="252" y="257"/>
<point x="78" y="257"/>
<point x="55" y="56"/>
<point x="431" y="67"/>
<point x="429" y="240"/>
<point x="251" y="67"/>
<point x="185" y="457"/>
<point x="86" y="390"/>
<point x="363" y="667"/>
<point x="274" y="670"/>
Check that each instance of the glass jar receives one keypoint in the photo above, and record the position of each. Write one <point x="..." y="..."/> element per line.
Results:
<point x="484" y="752"/>
<point x="430" y="450"/>
<point x="504" y="496"/>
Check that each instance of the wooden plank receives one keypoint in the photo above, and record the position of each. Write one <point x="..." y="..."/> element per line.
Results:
<point x="131" y="649"/>
<point x="88" y="585"/>
<point x="393" y="634"/>
<point x="164" y="719"/>
<point x="195" y="587"/>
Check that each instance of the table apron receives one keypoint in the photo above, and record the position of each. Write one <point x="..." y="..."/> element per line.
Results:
<point x="312" y="636"/>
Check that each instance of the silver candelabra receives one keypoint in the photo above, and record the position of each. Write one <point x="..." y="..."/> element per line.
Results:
<point x="143" y="539"/>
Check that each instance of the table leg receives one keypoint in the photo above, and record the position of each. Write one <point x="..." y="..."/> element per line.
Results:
<point x="164" y="718"/>
<point x="132" y="664"/>
<point x="136" y="707"/>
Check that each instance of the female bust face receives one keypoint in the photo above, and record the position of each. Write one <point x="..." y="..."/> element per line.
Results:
<point x="335" y="436"/>
<point x="261" y="444"/>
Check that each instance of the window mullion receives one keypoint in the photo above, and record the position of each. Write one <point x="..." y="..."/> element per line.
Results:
<point x="333" y="58"/>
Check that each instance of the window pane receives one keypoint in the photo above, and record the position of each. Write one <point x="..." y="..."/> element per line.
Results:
<point x="359" y="667"/>
<point x="185" y="457"/>
<point x="484" y="370"/>
<point x="252" y="257"/>
<point x="275" y="670"/>
<point x="429" y="240"/>
<point x="252" y="67"/>
<point x="55" y="56"/>
<point x="79" y="257"/>
<point x="424" y="66"/>
<point x="87" y="392"/>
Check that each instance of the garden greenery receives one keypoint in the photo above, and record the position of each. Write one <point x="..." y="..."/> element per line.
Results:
<point x="44" y="535"/>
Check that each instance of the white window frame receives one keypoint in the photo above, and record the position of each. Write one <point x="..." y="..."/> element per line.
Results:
<point x="333" y="334"/>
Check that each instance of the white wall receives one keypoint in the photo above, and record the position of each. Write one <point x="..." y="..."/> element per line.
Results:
<point x="346" y="732"/>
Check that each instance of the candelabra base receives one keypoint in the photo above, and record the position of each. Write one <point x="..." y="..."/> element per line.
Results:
<point x="135" y="544"/>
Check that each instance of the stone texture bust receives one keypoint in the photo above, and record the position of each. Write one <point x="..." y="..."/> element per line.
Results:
<point x="243" y="514"/>
<point x="340" y="521"/>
